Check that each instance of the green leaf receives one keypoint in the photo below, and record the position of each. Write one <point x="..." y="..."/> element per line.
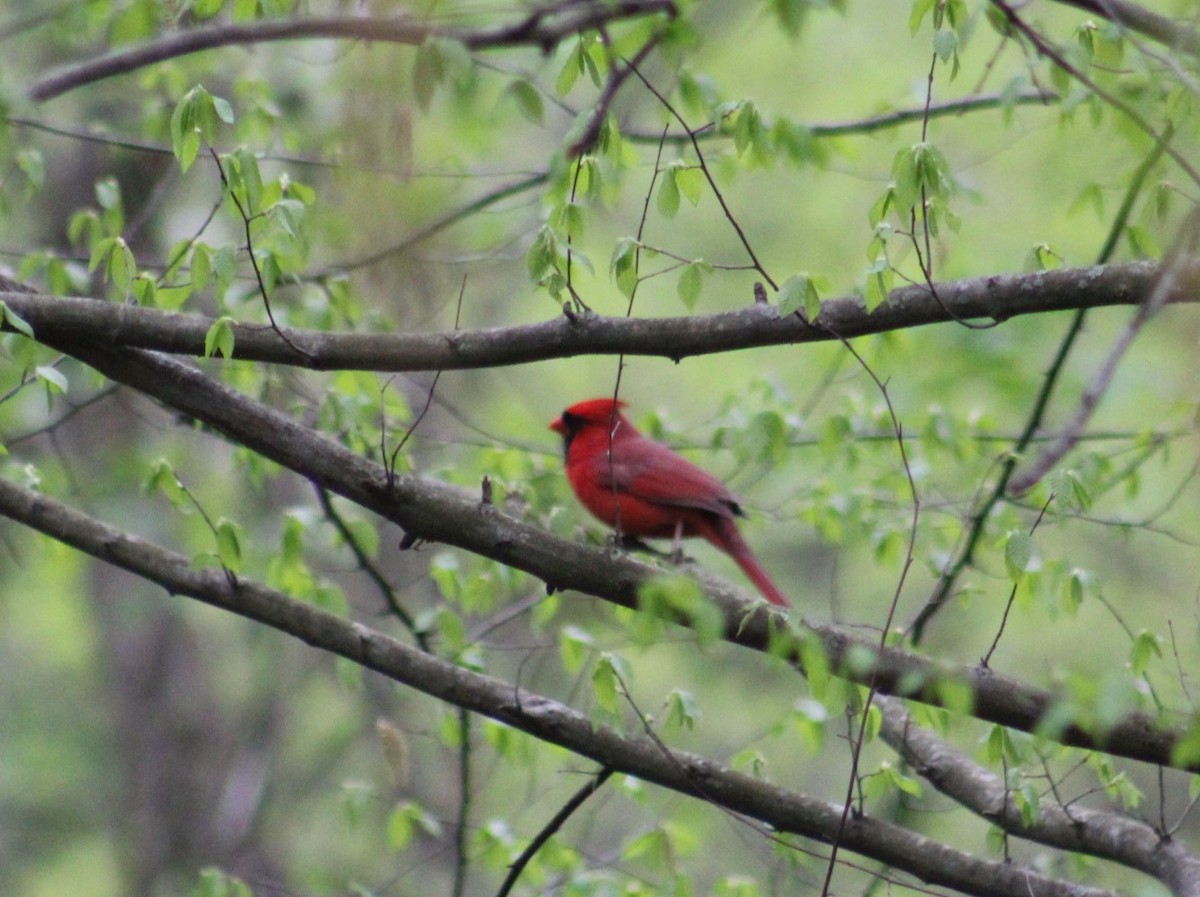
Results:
<point x="1146" y="647"/>
<point x="920" y="9"/>
<point x="219" y="337"/>
<point x="229" y="546"/>
<point x="429" y="70"/>
<point x="879" y="279"/>
<point x="206" y="9"/>
<point x="194" y="121"/>
<point x="623" y="267"/>
<point x="690" y="284"/>
<point x="955" y="695"/>
<point x="1072" y="596"/>
<point x="53" y="378"/>
<point x="799" y="292"/>
<point x="201" y="266"/>
<point x="1018" y="555"/>
<point x="529" y="101"/>
<point x="15" y="321"/>
<point x="1042" y="258"/>
<point x="118" y="259"/>
<point x="682" y="710"/>
<point x="542" y="257"/>
<point x="945" y="44"/>
<point x="902" y="782"/>
<point x="108" y="193"/>
<point x="571" y="70"/>
<point x="574" y="646"/>
<point x="163" y="479"/>
<point x="606" y="682"/>
<point x="223" y="109"/>
<point x="245" y="10"/>
<point x="671" y="596"/>
<point x="1186" y="749"/>
<point x="691" y="182"/>
<point x="33" y="166"/>
<point x="668" y="193"/>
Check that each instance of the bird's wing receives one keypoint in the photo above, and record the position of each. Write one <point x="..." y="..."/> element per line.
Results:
<point x="650" y="471"/>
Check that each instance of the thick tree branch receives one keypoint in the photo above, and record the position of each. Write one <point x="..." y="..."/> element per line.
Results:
<point x="687" y="773"/>
<point x="1111" y="836"/>
<point x="543" y="28"/>
<point x="440" y="513"/>
<point x="70" y="322"/>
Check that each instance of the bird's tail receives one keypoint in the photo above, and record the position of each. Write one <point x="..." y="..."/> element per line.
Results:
<point x="725" y="535"/>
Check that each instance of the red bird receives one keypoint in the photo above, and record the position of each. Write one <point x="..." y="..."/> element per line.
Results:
<point x="642" y="488"/>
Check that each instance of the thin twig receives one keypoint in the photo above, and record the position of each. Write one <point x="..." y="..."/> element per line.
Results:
<point x="891" y="614"/>
<point x="729" y="216"/>
<point x="391" y="461"/>
<point x="1012" y="595"/>
<point x="551" y="827"/>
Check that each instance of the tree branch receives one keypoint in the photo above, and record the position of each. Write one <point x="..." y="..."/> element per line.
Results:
<point x="543" y="28"/>
<point x="1123" y="840"/>
<point x="72" y="322"/>
<point x="437" y="512"/>
<point x="687" y="773"/>
<point x="1137" y="18"/>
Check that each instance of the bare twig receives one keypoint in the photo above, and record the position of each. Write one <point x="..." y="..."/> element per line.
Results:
<point x="729" y="216"/>
<point x="909" y="555"/>
<point x="428" y="397"/>
<point x="1012" y="595"/>
<point x="594" y="784"/>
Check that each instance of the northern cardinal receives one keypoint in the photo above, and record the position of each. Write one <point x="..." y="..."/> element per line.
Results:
<point x="642" y="488"/>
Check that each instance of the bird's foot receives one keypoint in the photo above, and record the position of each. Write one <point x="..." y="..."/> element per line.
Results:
<point x="632" y="543"/>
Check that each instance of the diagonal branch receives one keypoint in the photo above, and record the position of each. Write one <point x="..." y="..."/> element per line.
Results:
<point x="687" y="773"/>
<point x="999" y="297"/>
<point x="1167" y="285"/>
<point x="1111" y="836"/>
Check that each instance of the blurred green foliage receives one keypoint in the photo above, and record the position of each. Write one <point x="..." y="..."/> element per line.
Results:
<point x="379" y="187"/>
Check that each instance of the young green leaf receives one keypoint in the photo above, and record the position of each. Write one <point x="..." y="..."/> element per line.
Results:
<point x="15" y="321"/>
<point x="1018" y="555"/>
<point x="798" y="293"/>
<point x="690" y="284"/>
<point x="229" y="546"/>
<point x="668" y="193"/>
<point x="528" y="100"/>
<point x="54" y="379"/>
<point x="219" y="338"/>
